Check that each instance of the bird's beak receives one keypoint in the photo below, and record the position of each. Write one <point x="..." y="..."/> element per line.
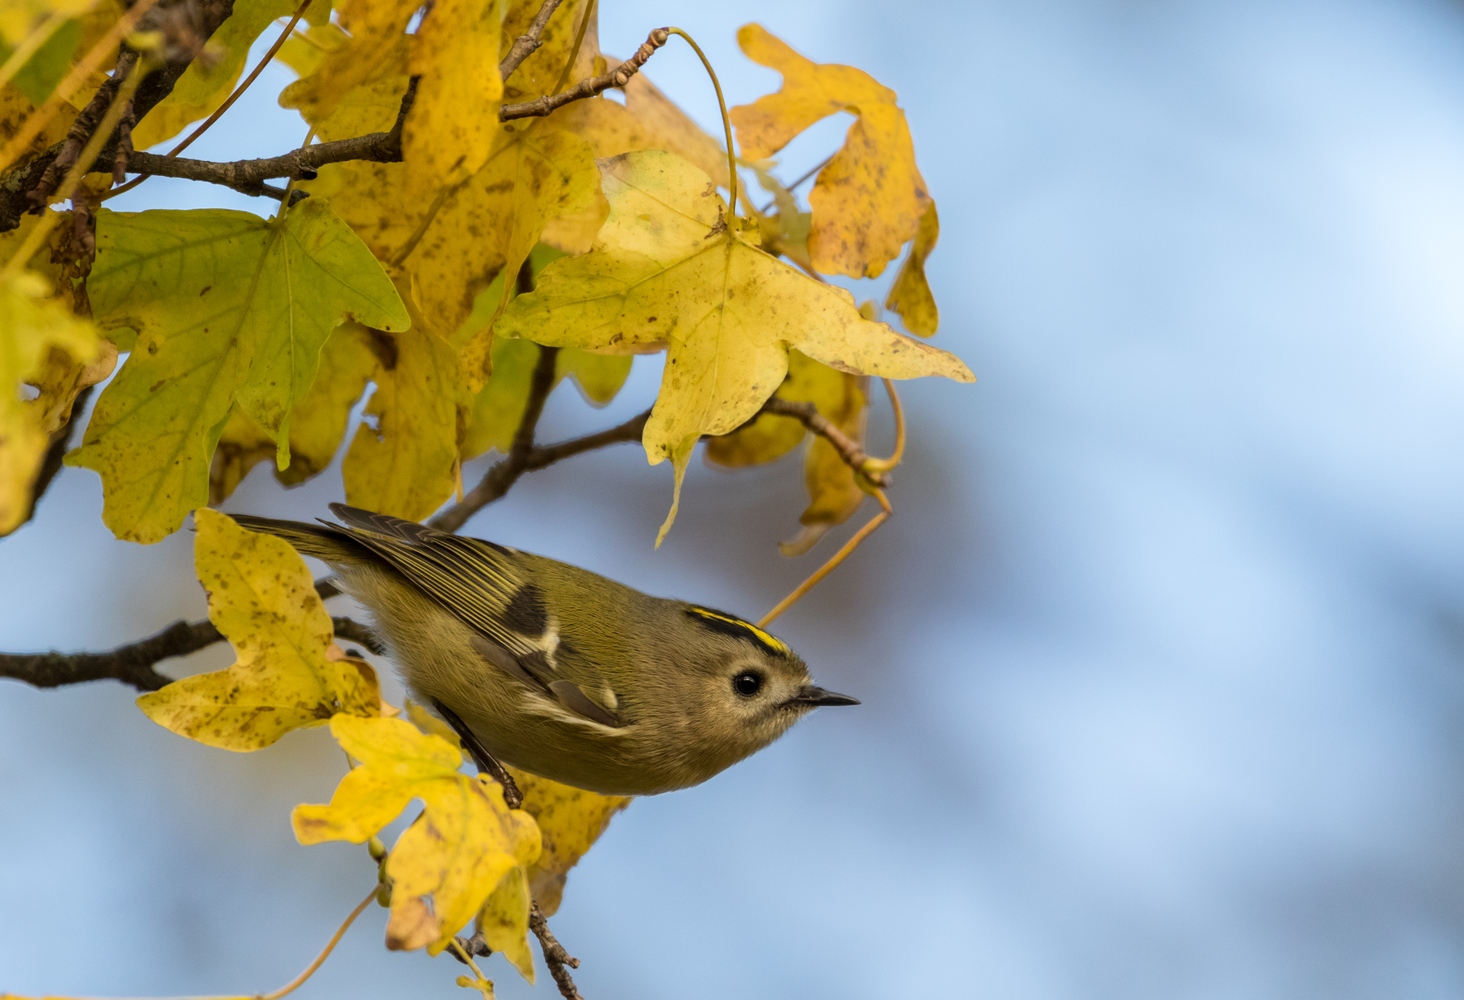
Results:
<point x="813" y="696"/>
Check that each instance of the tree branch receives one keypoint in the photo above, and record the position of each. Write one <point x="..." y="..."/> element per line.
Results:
<point x="500" y="478"/>
<point x="528" y="43"/>
<point x="590" y="86"/>
<point x="556" y="958"/>
<point x="17" y="182"/>
<point x="135" y="662"/>
<point x="851" y="451"/>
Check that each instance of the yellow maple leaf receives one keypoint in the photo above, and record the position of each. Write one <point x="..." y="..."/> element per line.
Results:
<point x="447" y="863"/>
<point x="404" y="458"/>
<point x="910" y="294"/>
<point x="536" y="172"/>
<point x="376" y="27"/>
<point x="771" y="435"/>
<point x="33" y="330"/>
<point x="570" y="820"/>
<point x="454" y="116"/>
<point x="868" y="200"/>
<point x="262" y="598"/>
<point x="666" y="269"/>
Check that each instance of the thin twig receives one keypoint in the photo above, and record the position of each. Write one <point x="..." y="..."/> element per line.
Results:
<point x="590" y="86"/>
<point x="558" y="960"/>
<point x="500" y="478"/>
<point x="237" y="93"/>
<point x="851" y="451"/>
<point x="135" y="663"/>
<point x="838" y="557"/>
<point x="528" y="43"/>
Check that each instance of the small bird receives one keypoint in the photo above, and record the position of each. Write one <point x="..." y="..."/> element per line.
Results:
<point x="557" y="670"/>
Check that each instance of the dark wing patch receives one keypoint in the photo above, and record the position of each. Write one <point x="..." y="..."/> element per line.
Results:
<point x="725" y="624"/>
<point x="526" y="613"/>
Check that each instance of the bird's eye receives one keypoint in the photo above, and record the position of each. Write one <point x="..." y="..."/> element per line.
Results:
<point x="747" y="683"/>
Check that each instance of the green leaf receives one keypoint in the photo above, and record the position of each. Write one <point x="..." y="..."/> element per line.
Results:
<point x="227" y="306"/>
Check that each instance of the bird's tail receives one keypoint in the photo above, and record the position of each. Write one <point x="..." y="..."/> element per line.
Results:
<point x="323" y="541"/>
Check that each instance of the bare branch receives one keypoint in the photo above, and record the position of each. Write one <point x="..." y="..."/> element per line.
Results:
<point x="130" y="664"/>
<point x="500" y="478"/>
<point x="528" y="43"/>
<point x="590" y="86"/>
<point x="851" y="451"/>
<point x="300" y="163"/>
<point x="558" y="960"/>
<point x="135" y="662"/>
<point x="17" y="182"/>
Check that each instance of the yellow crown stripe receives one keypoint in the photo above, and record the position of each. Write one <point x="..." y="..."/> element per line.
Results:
<point x="764" y="637"/>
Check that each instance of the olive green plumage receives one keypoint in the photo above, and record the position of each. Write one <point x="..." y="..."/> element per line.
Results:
<point x="558" y="670"/>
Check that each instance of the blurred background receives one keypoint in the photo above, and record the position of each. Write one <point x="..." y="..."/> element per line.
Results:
<point x="1162" y="657"/>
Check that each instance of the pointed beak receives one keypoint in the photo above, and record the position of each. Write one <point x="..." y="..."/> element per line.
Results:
<point x="813" y="696"/>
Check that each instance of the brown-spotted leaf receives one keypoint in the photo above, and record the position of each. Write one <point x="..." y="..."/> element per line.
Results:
<point x="454" y="116"/>
<point x="666" y="269"/>
<point x="868" y="199"/>
<point x="42" y="344"/>
<point x="540" y="72"/>
<point x="375" y="27"/>
<point x="262" y="598"/>
<point x="504" y="921"/>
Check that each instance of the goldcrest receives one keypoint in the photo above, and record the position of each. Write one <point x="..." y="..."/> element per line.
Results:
<point x="557" y="670"/>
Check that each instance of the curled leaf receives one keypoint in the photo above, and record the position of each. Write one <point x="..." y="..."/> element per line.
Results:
<point x="868" y="199"/>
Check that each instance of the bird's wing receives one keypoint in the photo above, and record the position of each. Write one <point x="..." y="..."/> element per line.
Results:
<point x="483" y="584"/>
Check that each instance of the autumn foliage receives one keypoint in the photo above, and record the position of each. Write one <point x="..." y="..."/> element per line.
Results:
<point x="483" y="205"/>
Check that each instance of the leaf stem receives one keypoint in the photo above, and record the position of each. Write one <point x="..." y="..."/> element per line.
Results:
<point x="290" y="187"/>
<point x="574" y="50"/>
<point x="468" y="961"/>
<point x="726" y="124"/>
<point x="838" y="557"/>
<point x="882" y="465"/>
<point x="310" y="969"/>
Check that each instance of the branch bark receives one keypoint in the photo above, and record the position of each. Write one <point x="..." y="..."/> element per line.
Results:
<point x="590" y="86"/>
<point x="528" y="43"/>
<point x="851" y="451"/>
<point x="136" y="662"/>
<point x="17" y="183"/>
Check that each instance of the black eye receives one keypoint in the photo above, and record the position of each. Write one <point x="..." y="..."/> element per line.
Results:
<point x="747" y="683"/>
